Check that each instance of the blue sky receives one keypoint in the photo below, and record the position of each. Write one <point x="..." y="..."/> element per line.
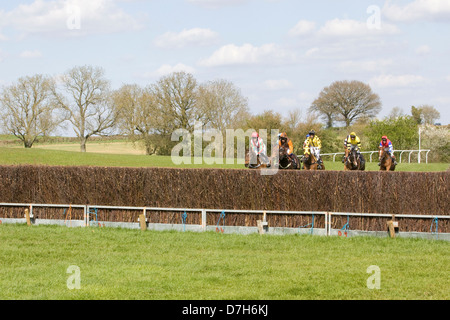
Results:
<point x="280" y="53"/>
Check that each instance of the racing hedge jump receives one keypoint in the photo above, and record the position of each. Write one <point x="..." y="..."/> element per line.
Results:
<point x="425" y="193"/>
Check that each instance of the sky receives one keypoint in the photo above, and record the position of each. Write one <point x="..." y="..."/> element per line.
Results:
<point x="280" y="53"/>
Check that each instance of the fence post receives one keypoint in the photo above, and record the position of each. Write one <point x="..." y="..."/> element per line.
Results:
<point x="27" y="216"/>
<point x="204" y="219"/>
<point x="143" y="221"/>
<point x="328" y="223"/>
<point x="392" y="225"/>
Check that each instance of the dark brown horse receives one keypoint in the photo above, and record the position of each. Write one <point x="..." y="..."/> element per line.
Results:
<point x="285" y="161"/>
<point x="310" y="162"/>
<point x="354" y="160"/>
<point x="386" y="160"/>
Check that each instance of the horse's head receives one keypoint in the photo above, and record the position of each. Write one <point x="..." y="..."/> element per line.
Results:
<point x="353" y="156"/>
<point x="306" y="157"/>
<point x="282" y="152"/>
<point x="384" y="152"/>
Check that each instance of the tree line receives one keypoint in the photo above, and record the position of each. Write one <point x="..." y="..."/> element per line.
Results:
<point x="35" y="106"/>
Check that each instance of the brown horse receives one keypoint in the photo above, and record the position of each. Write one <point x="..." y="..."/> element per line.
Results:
<point x="386" y="160"/>
<point x="253" y="161"/>
<point x="285" y="161"/>
<point x="310" y="162"/>
<point x="354" y="160"/>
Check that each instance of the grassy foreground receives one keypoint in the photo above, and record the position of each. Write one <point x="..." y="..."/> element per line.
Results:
<point x="131" y="264"/>
<point x="38" y="156"/>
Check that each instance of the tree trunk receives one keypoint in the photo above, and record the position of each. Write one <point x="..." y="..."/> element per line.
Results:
<point x="27" y="143"/>
<point x="148" y="149"/>
<point x="83" y="144"/>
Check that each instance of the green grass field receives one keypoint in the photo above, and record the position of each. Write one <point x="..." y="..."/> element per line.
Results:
<point x="95" y="157"/>
<point x="132" y="264"/>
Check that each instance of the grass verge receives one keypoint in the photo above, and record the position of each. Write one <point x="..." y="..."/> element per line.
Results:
<point x="131" y="264"/>
<point x="36" y="156"/>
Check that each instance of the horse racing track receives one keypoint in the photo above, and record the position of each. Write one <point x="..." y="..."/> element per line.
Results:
<point x="108" y="190"/>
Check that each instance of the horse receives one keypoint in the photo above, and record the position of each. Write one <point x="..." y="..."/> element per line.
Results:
<point x="251" y="163"/>
<point x="354" y="161"/>
<point x="310" y="162"/>
<point x="387" y="163"/>
<point x="284" y="160"/>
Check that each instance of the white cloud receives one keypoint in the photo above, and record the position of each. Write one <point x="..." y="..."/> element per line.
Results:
<point x="375" y="65"/>
<point x="278" y="84"/>
<point x="268" y="54"/>
<point x="69" y="18"/>
<point x="31" y="54"/>
<point x="418" y="10"/>
<point x="423" y="50"/>
<point x="164" y="70"/>
<point x="303" y="27"/>
<point x="214" y="4"/>
<point x="191" y="37"/>
<point x="354" y="28"/>
<point x="389" y="80"/>
<point x="311" y="52"/>
<point x="168" y="69"/>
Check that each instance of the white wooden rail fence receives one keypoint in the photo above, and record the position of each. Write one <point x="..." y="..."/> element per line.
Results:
<point x="371" y="153"/>
<point x="87" y="212"/>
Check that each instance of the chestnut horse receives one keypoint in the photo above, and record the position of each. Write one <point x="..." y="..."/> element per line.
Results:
<point x="353" y="160"/>
<point x="310" y="162"/>
<point x="387" y="163"/>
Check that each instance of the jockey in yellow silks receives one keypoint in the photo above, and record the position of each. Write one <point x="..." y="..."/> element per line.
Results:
<point x="354" y="141"/>
<point x="313" y="145"/>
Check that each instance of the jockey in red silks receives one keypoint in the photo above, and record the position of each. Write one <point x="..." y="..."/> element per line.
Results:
<point x="386" y="143"/>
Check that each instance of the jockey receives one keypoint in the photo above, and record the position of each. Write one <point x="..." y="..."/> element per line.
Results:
<point x="284" y="141"/>
<point x="313" y="144"/>
<point x="259" y="148"/>
<point x="354" y="141"/>
<point x="386" y="143"/>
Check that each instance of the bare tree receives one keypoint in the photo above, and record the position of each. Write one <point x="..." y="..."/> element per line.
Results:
<point x="140" y="118"/>
<point x="223" y="105"/>
<point x="347" y="101"/>
<point x="176" y="95"/>
<point x="395" y="113"/>
<point x="29" y="111"/>
<point x="425" y="114"/>
<point x="86" y="103"/>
